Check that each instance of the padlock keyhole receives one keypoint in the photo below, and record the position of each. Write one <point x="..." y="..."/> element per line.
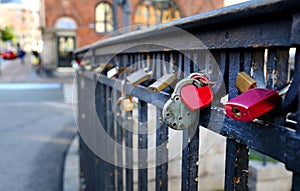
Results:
<point x="236" y="112"/>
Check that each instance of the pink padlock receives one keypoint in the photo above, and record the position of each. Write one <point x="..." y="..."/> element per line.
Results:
<point x="252" y="104"/>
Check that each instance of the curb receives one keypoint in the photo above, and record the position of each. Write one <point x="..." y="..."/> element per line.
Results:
<point x="71" y="167"/>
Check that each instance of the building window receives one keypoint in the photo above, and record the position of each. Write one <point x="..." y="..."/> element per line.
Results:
<point x="66" y="23"/>
<point x="104" y="18"/>
<point x="150" y="12"/>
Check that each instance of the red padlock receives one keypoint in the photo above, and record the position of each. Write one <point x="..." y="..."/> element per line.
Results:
<point x="252" y="104"/>
<point x="197" y="97"/>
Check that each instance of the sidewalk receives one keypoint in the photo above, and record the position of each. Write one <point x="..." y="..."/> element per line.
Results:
<point x="14" y="74"/>
<point x="71" y="167"/>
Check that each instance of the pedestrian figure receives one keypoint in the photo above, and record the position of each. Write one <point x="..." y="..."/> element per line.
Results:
<point x="37" y="62"/>
<point x="21" y="53"/>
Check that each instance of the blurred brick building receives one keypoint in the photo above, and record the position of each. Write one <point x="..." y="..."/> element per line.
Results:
<point x="69" y="24"/>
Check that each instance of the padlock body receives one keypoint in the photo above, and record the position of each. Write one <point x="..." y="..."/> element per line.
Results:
<point x="196" y="97"/>
<point x="177" y="116"/>
<point x="244" y="82"/>
<point x="126" y="105"/>
<point x="162" y="83"/>
<point x="112" y="72"/>
<point x="252" y="104"/>
<point x="138" y="77"/>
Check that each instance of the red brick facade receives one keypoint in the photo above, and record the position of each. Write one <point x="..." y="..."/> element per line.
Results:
<point x="83" y="12"/>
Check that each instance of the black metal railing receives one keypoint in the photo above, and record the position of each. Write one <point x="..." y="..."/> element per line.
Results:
<point x="256" y="37"/>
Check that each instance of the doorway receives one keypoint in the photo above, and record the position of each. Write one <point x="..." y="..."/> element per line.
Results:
<point x="65" y="46"/>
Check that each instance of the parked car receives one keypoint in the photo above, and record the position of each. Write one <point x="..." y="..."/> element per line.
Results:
<point x="9" y="54"/>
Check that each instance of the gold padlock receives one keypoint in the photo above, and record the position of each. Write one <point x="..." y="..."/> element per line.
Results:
<point x="162" y="83"/>
<point x="139" y="76"/>
<point x="103" y="67"/>
<point x="126" y="104"/>
<point x="244" y="82"/>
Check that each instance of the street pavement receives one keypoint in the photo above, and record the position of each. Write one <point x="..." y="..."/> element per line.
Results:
<point x="37" y="127"/>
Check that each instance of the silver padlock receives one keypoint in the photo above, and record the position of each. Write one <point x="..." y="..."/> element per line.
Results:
<point x="175" y="113"/>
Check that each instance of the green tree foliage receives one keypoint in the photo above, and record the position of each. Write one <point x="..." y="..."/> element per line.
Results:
<point x="7" y="34"/>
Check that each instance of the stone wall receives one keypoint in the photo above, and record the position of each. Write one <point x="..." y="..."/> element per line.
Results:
<point x="269" y="177"/>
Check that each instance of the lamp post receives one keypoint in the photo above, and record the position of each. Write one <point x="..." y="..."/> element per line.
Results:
<point x="125" y="5"/>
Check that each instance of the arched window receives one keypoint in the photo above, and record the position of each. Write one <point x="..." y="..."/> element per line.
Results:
<point x="104" y="18"/>
<point x="66" y="23"/>
<point x="150" y="12"/>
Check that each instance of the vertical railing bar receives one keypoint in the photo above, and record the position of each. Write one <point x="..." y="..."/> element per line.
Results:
<point x="159" y="67"/>
<point x="242" y="153"/>
<point x="297" y="73"/>
<point x="151" y="64"/>
<point x="230" y="162"/>
<point x="201" y="57"/>
<point x="161" y="174"/>
<point x="194" y="142"/>
<point x="234" y="69"/>
<point x="247" y="62"/>
<point x="291" y="95"/>
<point x="142" y="146"/>
<point x="258" y="67"/>
<point x="236" y="168"/>
<point x="146" y="62"/>
<point x="271" y="65"/>
<point x="296" y="176"/>
<point x="241" y="180"/>
<point x="101" y="95"/>
<point x="129" y="155"/>
<point x="219" y="64"/>
<point x="165" y="66"/>
<point x="180" y="66"/>
<point x="161" y="153"/>
<point x="93" y="170"/>
<point x="283" y="77"/>
<point x="282" y="67"/>
<point x="195" y="61"/>
<point x="128" y="136"/>
<point x="223" y="63"/>
<point x="169" y="67"/>
<point x="208" y="64"/>
<point x="110" y="131"/>
<point x="140" y="61"/>
<point x="185" y="184"/>
<point x="230" y="165"/>
<point x="118" y="131"/>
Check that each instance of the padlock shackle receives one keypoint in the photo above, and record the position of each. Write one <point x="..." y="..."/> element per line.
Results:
<point x="202" y="78"/>
<point x="284" y="90"/>
<point x="123" y="83"/>
<point x="184" y="82"/>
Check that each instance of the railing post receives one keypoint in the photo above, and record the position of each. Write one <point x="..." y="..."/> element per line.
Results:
<point x="142" y="146"/>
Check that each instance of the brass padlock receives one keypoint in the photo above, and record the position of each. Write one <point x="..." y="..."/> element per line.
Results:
<point x="103" y="67"/>
<point x="126" y="102"/>
<point x="244" y="82"/>
<point x="116" y="71"/>
<point x="162" y="83"/>
<point x="139" y="76"/>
